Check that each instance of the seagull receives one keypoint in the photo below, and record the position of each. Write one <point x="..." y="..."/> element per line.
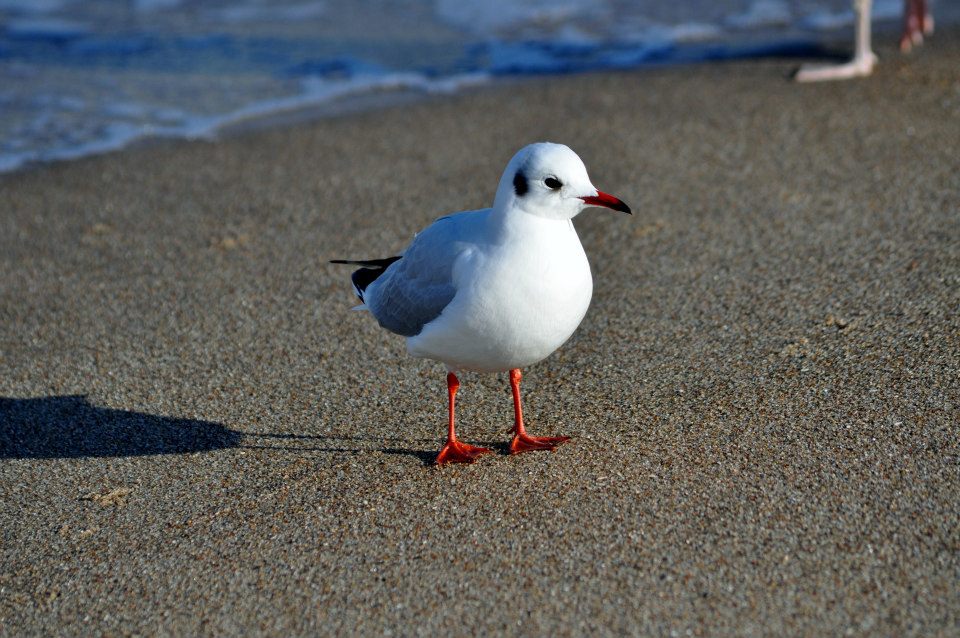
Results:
<point x="493" y="290"/>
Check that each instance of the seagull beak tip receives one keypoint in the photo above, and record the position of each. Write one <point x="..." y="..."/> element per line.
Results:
<point x="607" y="201"/>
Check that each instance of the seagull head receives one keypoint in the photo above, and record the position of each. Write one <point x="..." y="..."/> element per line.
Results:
<point x="550" y="180"/>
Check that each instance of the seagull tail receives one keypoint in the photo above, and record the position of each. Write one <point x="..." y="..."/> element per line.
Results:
<point x="372" y="268"/>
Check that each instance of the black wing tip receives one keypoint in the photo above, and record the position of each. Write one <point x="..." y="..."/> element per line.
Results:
<point x="371" y="269"/>
<point x="367" y="263"/>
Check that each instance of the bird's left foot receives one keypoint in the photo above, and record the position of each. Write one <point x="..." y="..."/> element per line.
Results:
<point x="457" y="452"/>
<point x="913" y="35"/>
<point x="526" y="443"/>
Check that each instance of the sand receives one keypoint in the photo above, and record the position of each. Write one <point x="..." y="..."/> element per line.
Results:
<point x="197" y="435"/>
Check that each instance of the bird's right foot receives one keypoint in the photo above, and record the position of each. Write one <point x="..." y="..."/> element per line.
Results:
<point x="858" y="67"/>
<point x="457" y="452"/>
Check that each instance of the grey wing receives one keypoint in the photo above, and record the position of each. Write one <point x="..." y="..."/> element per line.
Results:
<point x="415" y="289"/>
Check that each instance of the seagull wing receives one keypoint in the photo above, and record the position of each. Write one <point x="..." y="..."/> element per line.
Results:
<point x="414" y="290"/>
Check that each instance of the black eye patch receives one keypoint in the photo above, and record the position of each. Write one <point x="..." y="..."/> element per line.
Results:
<point x="520" y="184"/>
<point x="553" y="183"/>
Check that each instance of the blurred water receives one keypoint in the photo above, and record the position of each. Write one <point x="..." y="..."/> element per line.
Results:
<point x="85" y="76"/>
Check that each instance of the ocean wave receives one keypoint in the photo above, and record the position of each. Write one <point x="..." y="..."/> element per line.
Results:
<point x="119" y="124"/>
<point x="78" y="79"/>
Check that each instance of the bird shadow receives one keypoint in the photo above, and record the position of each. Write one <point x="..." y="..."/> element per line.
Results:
<point x="429" y="457"/>
<point x="69" y="426"/>
<point x="425" y="457"/>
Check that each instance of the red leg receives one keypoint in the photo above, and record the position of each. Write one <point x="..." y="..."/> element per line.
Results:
<point x="917" y="22"/>
<point x="455" y="451"/>
<point x="522" y="442"/>
<point x="926" y="18"/>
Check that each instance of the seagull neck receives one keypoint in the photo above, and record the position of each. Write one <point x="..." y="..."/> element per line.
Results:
<point x="506" y="222"/>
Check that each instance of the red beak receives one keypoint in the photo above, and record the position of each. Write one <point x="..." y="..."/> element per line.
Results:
<point x="607" y="201"/>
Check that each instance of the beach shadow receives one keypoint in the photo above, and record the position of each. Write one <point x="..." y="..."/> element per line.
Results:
<point x="61" y="427"/>
<point x="426" y="456"/>
<point x="70" y="427"/>
<point x="429" y="457"/>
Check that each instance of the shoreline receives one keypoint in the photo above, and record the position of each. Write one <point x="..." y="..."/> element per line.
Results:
<point x="402" y="89"/>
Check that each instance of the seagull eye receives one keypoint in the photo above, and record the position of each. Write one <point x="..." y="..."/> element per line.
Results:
<point x="553" y="183"/>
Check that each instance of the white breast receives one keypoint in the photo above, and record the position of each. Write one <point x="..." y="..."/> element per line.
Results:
<point x="517" y="302"/>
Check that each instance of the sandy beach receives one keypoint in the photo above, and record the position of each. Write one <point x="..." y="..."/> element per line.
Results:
<point x="197" y="435"/>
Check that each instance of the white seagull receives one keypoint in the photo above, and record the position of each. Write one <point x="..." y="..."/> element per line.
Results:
<point x="497" y="289"/>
